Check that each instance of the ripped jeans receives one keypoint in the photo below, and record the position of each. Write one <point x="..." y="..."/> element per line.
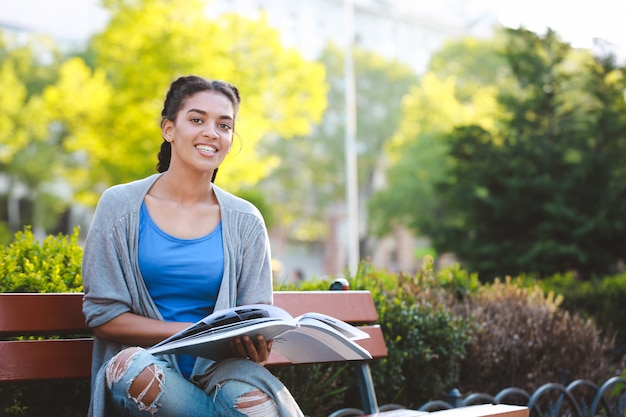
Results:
<point x="141" y="384"/>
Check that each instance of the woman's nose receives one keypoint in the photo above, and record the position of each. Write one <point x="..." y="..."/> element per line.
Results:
<point x="210" y="132"/>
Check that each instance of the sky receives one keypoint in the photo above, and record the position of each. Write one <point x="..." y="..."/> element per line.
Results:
<point x="577" y="22"/>
<point x="71" y="20"/>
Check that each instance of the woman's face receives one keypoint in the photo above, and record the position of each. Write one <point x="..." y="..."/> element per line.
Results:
<point x="202" y="133"/>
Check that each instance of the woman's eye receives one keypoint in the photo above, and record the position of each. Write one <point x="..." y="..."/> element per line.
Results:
<point x="196" y="120"/>
<point x="225" y="126"/>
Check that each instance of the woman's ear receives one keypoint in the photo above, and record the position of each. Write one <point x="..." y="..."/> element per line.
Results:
<point x="166" y="130"/>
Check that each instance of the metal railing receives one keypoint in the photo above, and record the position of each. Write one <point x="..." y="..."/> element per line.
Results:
<point x="581" y="398"/>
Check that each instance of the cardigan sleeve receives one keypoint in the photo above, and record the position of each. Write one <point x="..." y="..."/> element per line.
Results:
<point x="247" y="254"/>
<point x="105" y="264"/>
<point x="254" y="283"/>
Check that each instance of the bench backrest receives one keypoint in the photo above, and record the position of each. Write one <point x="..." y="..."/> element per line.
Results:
<point x="70" y="356"/>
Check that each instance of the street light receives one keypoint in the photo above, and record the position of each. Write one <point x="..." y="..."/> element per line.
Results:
<point x="352" y="196"/>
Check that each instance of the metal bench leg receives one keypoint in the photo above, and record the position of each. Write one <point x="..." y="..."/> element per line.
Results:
<point x="366" y="387"/>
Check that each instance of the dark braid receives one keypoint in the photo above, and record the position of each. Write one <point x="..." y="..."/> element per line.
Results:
<point x="181" y="89"/>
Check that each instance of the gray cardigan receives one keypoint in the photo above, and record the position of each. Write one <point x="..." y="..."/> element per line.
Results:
<point x="113" y="284"/>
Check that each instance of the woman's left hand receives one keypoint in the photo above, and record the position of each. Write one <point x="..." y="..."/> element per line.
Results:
<point x="257" y="350"/>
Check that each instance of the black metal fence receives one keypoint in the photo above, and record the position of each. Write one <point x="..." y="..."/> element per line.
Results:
<point x="581" y="398"/>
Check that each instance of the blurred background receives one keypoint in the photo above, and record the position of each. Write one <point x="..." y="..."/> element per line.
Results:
<point x="483" y="132"/>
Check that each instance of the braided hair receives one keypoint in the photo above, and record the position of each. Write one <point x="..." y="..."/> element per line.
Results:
<point x="180" y="90"/>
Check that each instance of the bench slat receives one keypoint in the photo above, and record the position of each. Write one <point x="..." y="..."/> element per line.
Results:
<point x="355" y="307"/>
<point x="61" y="314"/>
<point x="45" y="359"/>
<point x="36" y="314"/>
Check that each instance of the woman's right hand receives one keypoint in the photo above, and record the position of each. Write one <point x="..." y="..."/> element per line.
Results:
<point x="257" y="351"/>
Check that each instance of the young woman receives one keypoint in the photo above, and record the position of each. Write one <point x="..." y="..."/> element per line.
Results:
<point x="165" y="251"/>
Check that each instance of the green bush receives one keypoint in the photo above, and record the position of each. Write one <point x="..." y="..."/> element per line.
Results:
<point x="600" y="298"/>
<point x="54" y="265"/>
<point x="425" y="342"/>
<point x="319" y="389"/>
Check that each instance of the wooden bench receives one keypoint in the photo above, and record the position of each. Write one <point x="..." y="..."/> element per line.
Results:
<point x="70" y="356"/>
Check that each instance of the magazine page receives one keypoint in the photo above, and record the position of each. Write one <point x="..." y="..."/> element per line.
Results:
<point x="216" y="345"/>
<point x="315" y="341"/>
<point x="229" y="318"/>
<point x="312" y="337"/>
<point x="348" y="330"/>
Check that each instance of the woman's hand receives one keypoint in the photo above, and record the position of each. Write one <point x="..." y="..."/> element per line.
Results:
<point x="245" y="347"/>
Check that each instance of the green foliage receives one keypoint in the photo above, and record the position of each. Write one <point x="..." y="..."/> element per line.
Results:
<point x="318" y="389"/>
<point x="98" y="118"/>
<point x="535" y="187"/>
<point x="51" y="265"/>
<point x="54" y="265"/>
<point x="418" y="151"/>
<point x="425" y="345"/>
<point x="31" y="154"/>
<point x="318" y="184"/>
<point x="473" y="62"/>
<point x="425" y="342"/>
<point x="282" y="93"/>
<point x="600" y="298"/>
<point x="444" y="329"/>
<point x="424" y="339"/>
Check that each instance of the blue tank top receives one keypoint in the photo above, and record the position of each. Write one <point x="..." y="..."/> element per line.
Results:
<point x="182" y="276"/>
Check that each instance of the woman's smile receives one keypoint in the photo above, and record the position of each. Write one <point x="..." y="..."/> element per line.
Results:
<point x="207" y="150"/>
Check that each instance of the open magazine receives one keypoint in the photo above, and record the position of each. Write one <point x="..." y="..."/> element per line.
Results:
<point x="311" y="337"/>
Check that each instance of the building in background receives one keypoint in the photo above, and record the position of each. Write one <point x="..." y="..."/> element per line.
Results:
<point x="406" y="30"/>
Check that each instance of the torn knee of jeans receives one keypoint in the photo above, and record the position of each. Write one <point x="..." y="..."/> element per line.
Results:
<point x="257" y="403"/>
<point x="119" y="364"/>
<point x="146" y="388"/>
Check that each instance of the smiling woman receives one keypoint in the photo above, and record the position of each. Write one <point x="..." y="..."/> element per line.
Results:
<point x="165" y="251"/>
<point x="207" y="117"/>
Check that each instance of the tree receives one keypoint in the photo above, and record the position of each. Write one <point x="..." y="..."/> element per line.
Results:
<point x="77" y="105"/>
<point x="458" y="89"/>
<point x="30" y="154"/>
<point x="541" y="189"/>
<point x="313" y="166"/>
<point x="148" y="43"/>
<point x="73" y="125"/>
